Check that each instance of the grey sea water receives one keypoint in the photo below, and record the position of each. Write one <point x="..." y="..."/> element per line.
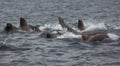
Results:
<point x="29" y="49"/>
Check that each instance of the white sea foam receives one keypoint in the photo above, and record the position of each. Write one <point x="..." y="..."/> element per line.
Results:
<point x="52" y="26"/>
<point x="98" y="26"/>
<point x="69" y="35"/>
<point x="113" y="36"/>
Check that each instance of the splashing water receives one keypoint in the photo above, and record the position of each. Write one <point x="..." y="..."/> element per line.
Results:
<point x="51" y="26"/>
<point x="69" y="35"/>
<point x="113" y="36"/>
<point x="99" y="26"/>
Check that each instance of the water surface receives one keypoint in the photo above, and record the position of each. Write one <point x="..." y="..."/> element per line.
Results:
<point x="29" y="49"/>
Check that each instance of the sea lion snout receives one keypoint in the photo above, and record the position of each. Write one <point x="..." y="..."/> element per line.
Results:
<point x="80" y="25"/>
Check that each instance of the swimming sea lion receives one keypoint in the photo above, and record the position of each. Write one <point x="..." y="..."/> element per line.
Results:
<point x="26" y="27"/>
<point x="23" y="25"/>
<point x="98" y="36"/>
<point x="48" y="35"/>
<point x="10" y="28"/>
<point x="63" y="25"/>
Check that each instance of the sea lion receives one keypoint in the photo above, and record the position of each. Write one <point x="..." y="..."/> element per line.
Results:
<point x="98" y="36"/>
<point x="63" y="25"/>
<point x="48" y="35"/>
<point x="23" y="25"/>
<point x="80" y="25"/>
<point x="10" y="28"/>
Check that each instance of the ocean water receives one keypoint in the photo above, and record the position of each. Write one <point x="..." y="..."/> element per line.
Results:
<point x="29" y="49"/>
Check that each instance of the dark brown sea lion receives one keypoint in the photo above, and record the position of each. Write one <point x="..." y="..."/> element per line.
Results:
<point x="98" y="36"/>
<point x="49" y="35"/>
<point x="10" y="28"/>
<point x="80" y="25"/>
<point x="23" y="25"/>
<point x="63" y="25"/>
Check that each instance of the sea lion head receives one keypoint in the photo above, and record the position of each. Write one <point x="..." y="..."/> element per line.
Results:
<point x="24" y="25"/>
<point x="46" y="34"/>
<point x="80" y="25"/>
<point x="23" y="22"/>
<point x="9" y="27"/>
